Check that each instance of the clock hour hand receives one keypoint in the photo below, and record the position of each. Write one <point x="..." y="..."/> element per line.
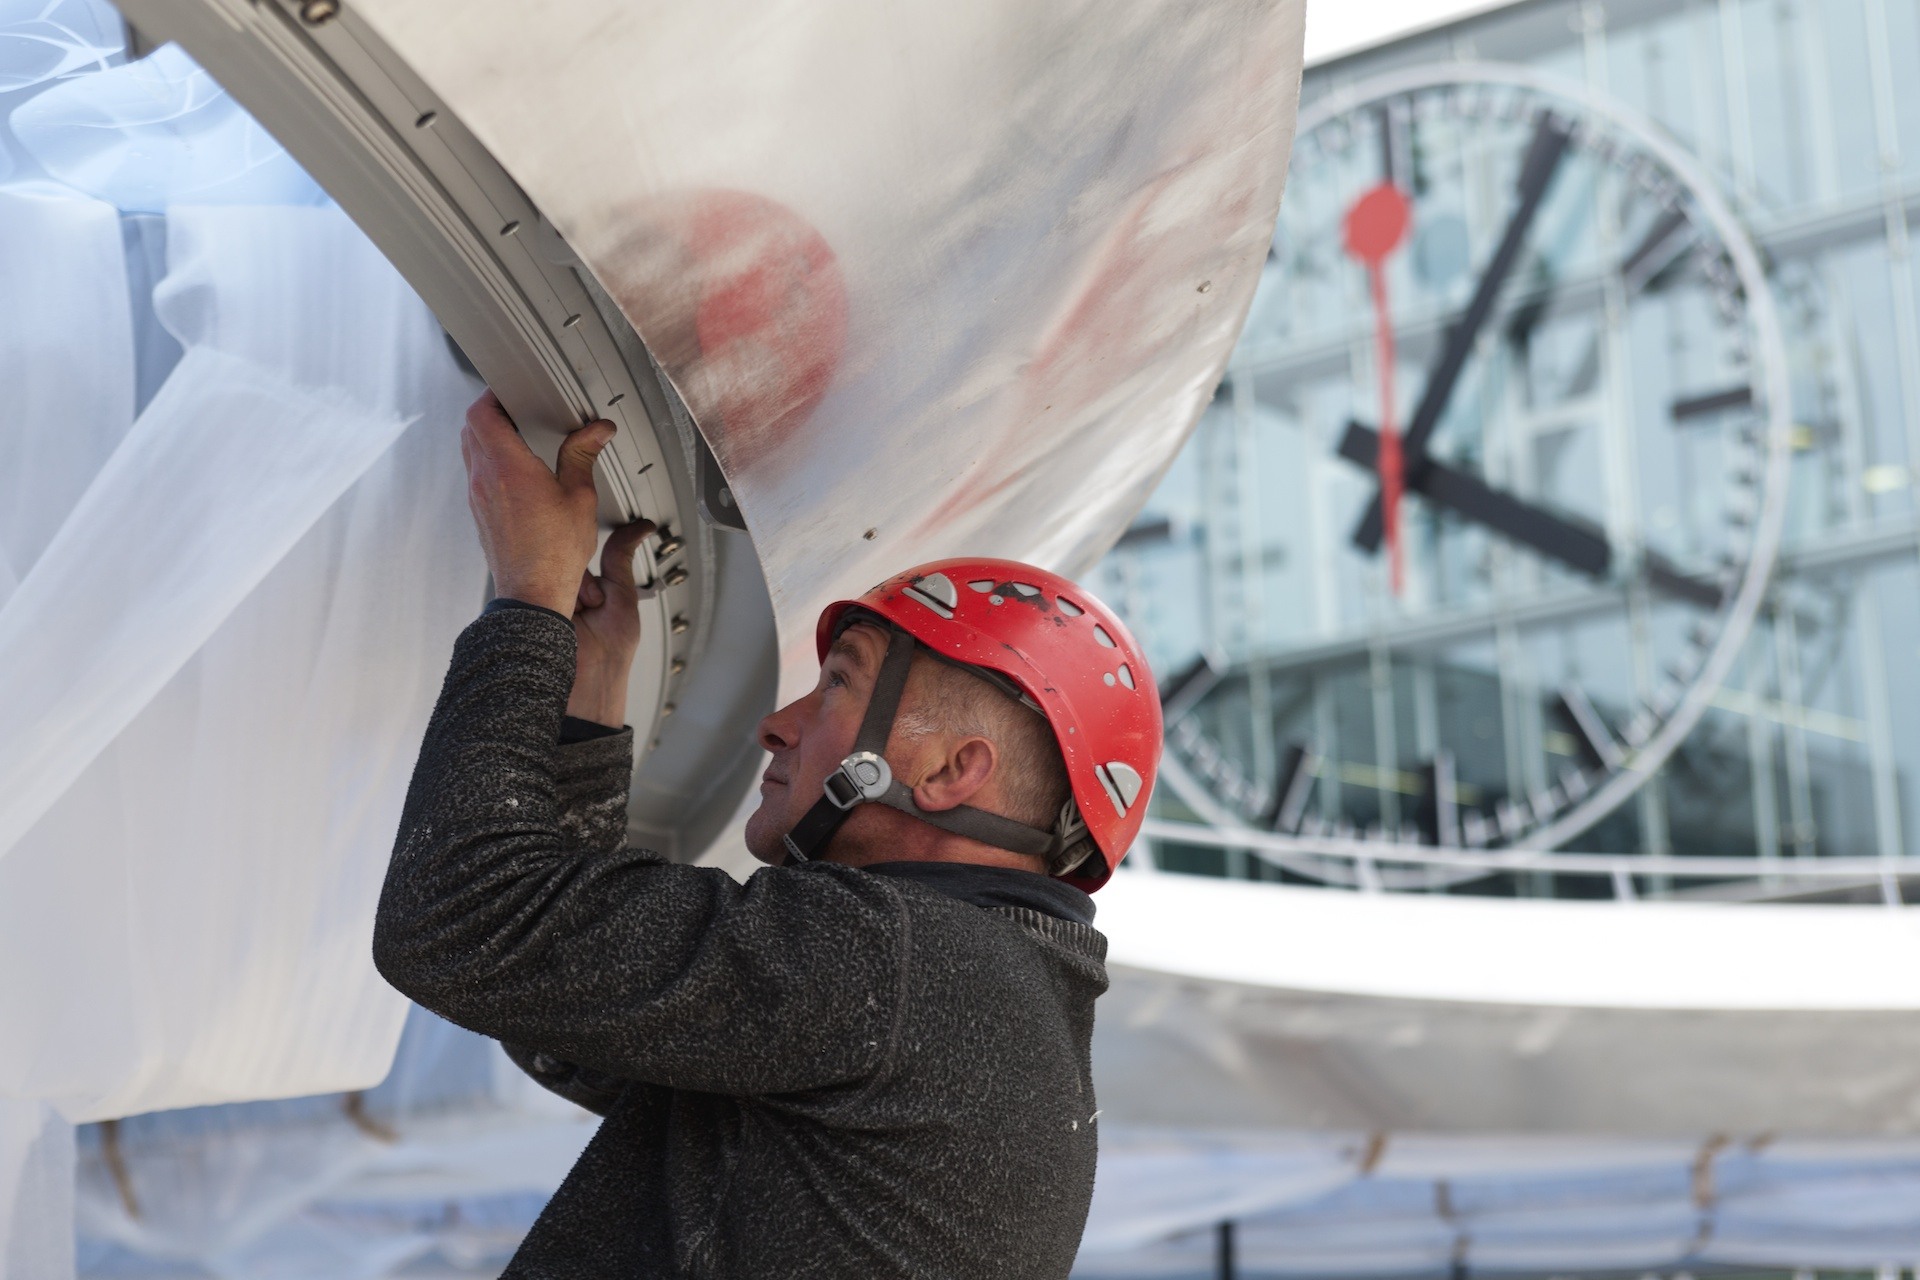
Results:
<point x="1542" y="161"/>
<point x="1568" y="539"/>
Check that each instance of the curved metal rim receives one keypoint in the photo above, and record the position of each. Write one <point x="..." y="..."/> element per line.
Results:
<point x="501" y="281"/>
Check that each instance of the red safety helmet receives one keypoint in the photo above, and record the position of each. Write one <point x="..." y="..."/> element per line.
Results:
<point x="1066" y="653"/>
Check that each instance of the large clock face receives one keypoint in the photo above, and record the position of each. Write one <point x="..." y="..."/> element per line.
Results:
<point x="1541" y="387"/>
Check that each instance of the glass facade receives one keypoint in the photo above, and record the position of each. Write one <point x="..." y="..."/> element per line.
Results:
<point x="1807" y="119"/>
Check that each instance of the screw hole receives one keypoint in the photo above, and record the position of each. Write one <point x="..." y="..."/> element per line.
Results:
<point x="426" y="120"/>
<point x="510" y="228"/>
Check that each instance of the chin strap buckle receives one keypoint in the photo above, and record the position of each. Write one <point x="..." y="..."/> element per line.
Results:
<point x="861" y="777"/>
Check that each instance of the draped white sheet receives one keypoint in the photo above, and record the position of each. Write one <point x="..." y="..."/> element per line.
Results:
<point x="462" y="1151"/>
<point x="158" y="132"/>
<point x="36" y="1192"/>
<point x="453" y="1153"/>
<point x="1391" y="1204"/>
<point x="213" y="676"/>
<point x="69" y="331"/>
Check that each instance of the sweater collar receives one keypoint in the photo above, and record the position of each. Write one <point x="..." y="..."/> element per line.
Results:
<point x="995" y="887"/>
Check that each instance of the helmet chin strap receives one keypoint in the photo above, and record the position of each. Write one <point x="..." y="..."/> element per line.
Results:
<point x="864" y="777"/>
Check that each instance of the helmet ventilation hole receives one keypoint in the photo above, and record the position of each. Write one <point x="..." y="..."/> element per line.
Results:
<point x="1100" y="634"/>
<point x="982" y="585"/>
<point x="1024" y="588"/>
<point x="1121" y="782"/>
<point x="1108" y="677"/>
<point x="1126" y="675"/>
<point x="1069" y="608"/>
<point x="915" y="593"/>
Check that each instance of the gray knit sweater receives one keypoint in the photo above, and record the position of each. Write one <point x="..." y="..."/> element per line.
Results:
<point x="822" y="1072"/>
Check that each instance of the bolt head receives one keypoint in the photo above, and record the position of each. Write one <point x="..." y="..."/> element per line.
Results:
<point x="318" y="12"/>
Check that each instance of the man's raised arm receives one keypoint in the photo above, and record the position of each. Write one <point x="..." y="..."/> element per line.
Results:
<point x="498" y="916"/>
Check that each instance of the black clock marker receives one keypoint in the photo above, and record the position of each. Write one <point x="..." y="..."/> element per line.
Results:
<point x="1665" y="241"/>
<point x="1712" y="402"/>
<point x="1598" y="748"/>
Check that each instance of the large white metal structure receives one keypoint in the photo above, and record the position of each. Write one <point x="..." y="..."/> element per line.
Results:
<point x="1285" y="1008"/>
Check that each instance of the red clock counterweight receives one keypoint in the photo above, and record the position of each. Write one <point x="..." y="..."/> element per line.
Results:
<point x="1374" y="227"/>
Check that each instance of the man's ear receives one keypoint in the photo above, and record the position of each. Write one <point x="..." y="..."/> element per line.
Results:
<point x="958" y="775"/>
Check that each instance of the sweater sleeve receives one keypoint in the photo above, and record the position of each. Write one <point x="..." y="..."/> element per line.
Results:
<point x="590" y="1090"/>
<point x="590" y="779"/>
<point x="515" y="911"/>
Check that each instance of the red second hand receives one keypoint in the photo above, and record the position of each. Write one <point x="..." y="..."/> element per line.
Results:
<point x="1375" y="226"/>
<point x="1390" y="477"/>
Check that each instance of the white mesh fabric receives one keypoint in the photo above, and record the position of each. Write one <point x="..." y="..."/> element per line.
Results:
<point x="215" y="678"/>
<point x="36" y="1192"/>
<point x="69" y="337"/>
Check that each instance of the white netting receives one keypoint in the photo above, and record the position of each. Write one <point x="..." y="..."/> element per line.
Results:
<point x="36" y="1192"/>
<point x="221" y="665"/>
<point x="234" y="553"/>
<point x="447" y="1161"/>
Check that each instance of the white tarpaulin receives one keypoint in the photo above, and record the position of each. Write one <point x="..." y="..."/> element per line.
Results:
<point x="933" y="278"/>
<point x="220" y="663"/>
<point x="1388" y="1204"/>
<point x="221" y="616"/>
<point x="454" y="1153"/>
<point x="442" y="1169"/>
<point x="36" y="1192"/>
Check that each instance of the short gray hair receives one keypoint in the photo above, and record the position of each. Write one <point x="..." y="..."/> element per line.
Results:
<point x="945" y="697"/>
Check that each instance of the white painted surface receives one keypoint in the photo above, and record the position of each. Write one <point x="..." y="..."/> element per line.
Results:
<point x="1246" y="1006"/>
<point x="1639" y="955"/>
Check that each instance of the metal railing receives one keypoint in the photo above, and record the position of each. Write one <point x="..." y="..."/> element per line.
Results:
<point x="1367" y="858"/>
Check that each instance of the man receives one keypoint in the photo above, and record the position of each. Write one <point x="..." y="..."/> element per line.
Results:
<point x="871" y="1059"/>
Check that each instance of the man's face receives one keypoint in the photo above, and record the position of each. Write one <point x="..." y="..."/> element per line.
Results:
<point x="811" y="736"/>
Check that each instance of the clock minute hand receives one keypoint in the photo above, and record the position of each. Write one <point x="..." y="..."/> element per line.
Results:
<point x="1542" y="161"/>
<point x="1569" y="539"/>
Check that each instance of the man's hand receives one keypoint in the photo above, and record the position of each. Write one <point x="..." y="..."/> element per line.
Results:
<point x="606" y="623"/>
<point x="537" y="527"/>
